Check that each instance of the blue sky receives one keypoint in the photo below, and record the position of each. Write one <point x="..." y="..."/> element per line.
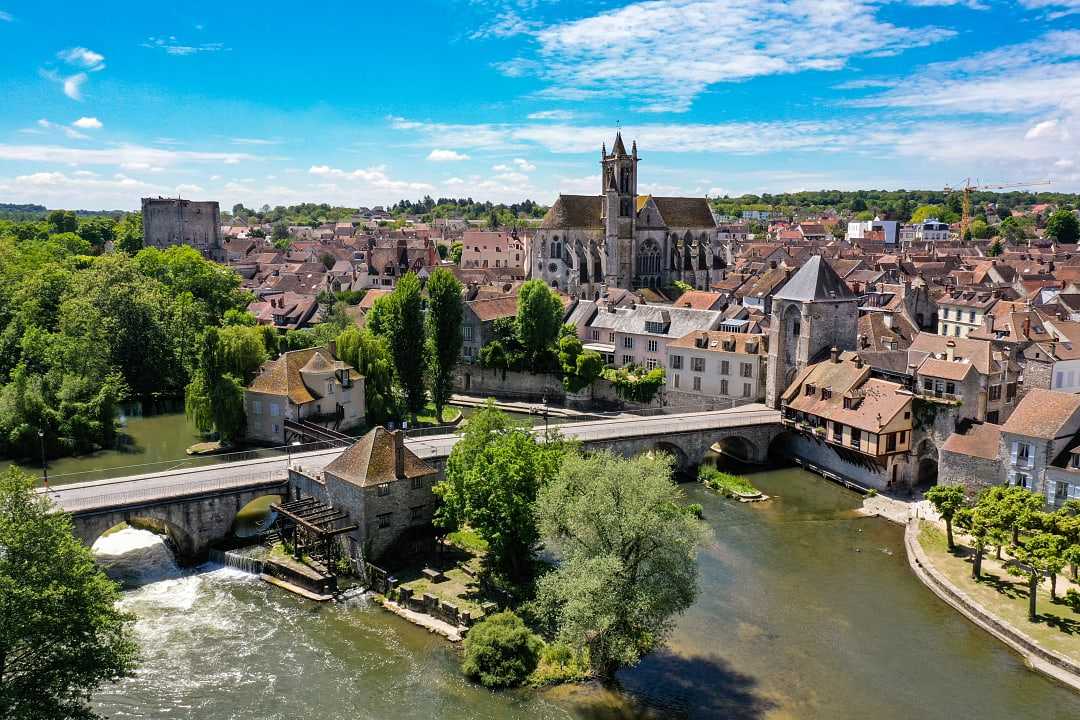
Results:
<point x="362" y="103"/>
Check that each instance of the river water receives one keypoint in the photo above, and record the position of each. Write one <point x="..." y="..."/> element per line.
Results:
<point x="806" y="611"/>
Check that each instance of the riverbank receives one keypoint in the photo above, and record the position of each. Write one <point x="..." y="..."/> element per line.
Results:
<point x="945" y="585"/>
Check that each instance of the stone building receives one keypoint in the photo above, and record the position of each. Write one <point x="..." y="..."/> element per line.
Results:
<point x="620" y="239"/>
<point x="306" y="384"/>
<point x="814" y="312"/>
<point x="726" y="368"/>
<point x="173" y="221"/>
<point x="387" y="491"/>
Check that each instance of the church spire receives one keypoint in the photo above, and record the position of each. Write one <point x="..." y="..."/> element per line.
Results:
<point x="618" y="148"/>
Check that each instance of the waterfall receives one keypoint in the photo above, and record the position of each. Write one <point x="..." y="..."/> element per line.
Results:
<point x="228" y="558"/>
<point x="136" y="557"/>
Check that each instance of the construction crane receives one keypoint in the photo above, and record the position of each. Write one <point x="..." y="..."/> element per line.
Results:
<point x="968" y="188"/>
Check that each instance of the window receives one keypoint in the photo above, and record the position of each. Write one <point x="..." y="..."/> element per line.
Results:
<point x="611" y="338"/>
<point x="1061" y="491"/>
<point x="595" y="335"/>
<point x="416" y="513"/>
<point x="928" y="385"/>
<point x="652" y="346"/>
<point x="627" y="359"/>
<point x="676" y="362"/>
<point x="383" y="489"/>
<point x="995" y="392"/>
<point x="746" y="370"/>
<point x="275" y="410"/>
<point x="796" y="328"/>
<point x="384" y="519"/>
<point x="746" y="388"/>
<point x="950" y="388"/>
<point x="723" y="387"/>
<point x="903" y="436"/>
<point x="651" y="363"/>
<point x="838" y="432"/>
<point x="956" y="331"/>
<point x="467" y="332"/>
<point x="890" y="442"/>
<point x="697" y="383"/>
<point x="697" y="364"/>
<point x="417" y="483"/>
<point x="628" y="342"/>
<point x="972" y="316"/>
<point x="1021" y="454"/>
<point x="856" y="437"/>
<point x="675" y="381"/>
<point x="725" y="367"/>
<point x="1021" y="480"/>
<point x="256" y="407"/>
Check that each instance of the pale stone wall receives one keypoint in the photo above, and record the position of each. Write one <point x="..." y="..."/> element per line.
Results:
<point x="171" y="221"/>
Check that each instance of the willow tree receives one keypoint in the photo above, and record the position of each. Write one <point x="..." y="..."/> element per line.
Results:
<point x="61" y="633"/>
<point x="214" y="399"/>
<point x="370" y="355"/>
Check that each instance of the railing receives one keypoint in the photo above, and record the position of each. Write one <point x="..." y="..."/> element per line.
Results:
<point x="72" y="502"/>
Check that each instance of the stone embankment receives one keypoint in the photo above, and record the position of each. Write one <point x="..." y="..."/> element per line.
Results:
<point x="1047" y="662"/>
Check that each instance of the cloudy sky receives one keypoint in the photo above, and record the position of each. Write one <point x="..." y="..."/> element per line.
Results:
<point x="362" y="103"/>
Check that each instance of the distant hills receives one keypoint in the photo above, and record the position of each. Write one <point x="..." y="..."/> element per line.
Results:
<point x="33" y="211"/>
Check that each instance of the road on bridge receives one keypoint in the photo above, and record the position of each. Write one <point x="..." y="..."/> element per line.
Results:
<point x="155" y="487"/>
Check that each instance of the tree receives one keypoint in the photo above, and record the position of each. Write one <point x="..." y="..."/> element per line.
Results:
<point x="242" y="351"/>
<point x="977" y="522"/>
<point x="405" y="332"/>
<point x="996" y="248"/>
<point x="1062" y="227"/>
<point x="280" y="231"/>
<point x="539" y="321"/>
<point x="62" y="221"/>
<point x="455" y="253"/>
<point x="61" y="633"/>
<point x="445" y="311"/>
<point x="1042" y="554"/>
<point x="500" y="651"/>
<point x="629" y="556"/>
<point x="214" y="400"/>
<point x="1012" y="230"/>
<point x="634" y="383"/>
<point x="493" y="475"/>
<point x="129" y="234"/>
<point x="946" y="499"/>
<point x="370" y="355"/>
<point x="580" y="367"/>
<point x="97" y="231"/>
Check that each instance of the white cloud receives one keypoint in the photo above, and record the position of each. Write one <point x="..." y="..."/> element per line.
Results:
<point x="506" y="24"/>
<point x="1046" y="128"/>
<point x="524" y="165"/>
<point x="187" y="189"/>
<point x="454" y="181"/>
<point x="667" y="52"/>
<point x="552" y="115"/>
<point x="446" y="156"/>
<point x="118" y="155"/>
<point x="171" y="46"/>
<point x="73" y="86"/>
<point x="255" y="141"/>
<point x="83" y="57"/>
<point x="374" y="177"/>
<point x="88" y="123"/>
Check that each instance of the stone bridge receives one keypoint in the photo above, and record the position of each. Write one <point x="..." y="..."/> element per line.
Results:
<point x="197" y="507"/>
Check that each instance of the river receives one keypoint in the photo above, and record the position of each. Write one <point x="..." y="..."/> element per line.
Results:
<point x="805" y="611"/>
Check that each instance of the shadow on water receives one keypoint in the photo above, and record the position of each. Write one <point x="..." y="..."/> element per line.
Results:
<point x="670" y="686"/>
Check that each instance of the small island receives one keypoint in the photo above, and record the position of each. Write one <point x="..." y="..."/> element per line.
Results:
<point x="733" y="486"/>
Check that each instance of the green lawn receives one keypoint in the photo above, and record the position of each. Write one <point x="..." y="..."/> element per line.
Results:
<point x="427" y="417"/>
<point x="726" y="482"/>
<point x="1005" y="595"/>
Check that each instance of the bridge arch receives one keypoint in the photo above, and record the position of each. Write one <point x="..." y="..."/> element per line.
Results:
<point x="738" y="448"/>
<point x="178" y="538"/>
<point x="255" y="517"/>
<point x="681" y="459"/>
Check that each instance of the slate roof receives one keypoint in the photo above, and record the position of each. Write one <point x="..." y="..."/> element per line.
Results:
<point x="370" y="461"/>
<point x="573" y="211"/>
<point x="815" y="280"/>
<point x="677" y="321"/>
<point x="685" y="212"/>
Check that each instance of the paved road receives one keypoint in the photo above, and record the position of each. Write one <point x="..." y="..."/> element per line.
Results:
<point x="152" y="487"/>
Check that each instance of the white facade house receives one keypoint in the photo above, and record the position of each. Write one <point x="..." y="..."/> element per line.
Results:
<point x="715" y="364"/>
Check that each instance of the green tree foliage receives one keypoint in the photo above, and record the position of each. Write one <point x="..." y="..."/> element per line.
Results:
<point x="214" y="400"/>
<point x="500" y="651"/>
<point x="242" y="351"/>
<point x="539" y="322"/>
<point x="493" y="475"/>
<point x="1012" y="230"/>
<point x="634" y="383"/>
<point x="62" y="221"/>
<point x="980" y="230"/>
<point x="629" y="556"/>
<point x="97" y="231"/>
<point x="930" y="212"/>
<point x="129" y="234"/>
<point x="370" y="355"/>
<point x="996" y="248"/>
<point x="580" y="367"/>
<point x="279" y="232"/>
<point x="1042" y="554"/>
<point x="445" y="312"/>
<point x="404" y="329"/>
<point x="1063" y="227"/>
<point x="947" y="500"/>
<point x="455" y="253"/>
<point x="61" y="633"/>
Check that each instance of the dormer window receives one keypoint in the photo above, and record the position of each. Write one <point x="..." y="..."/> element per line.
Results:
<point x="810" y="390"/>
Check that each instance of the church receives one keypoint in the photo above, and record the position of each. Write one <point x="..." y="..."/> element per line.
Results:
<point x="620" y="239"/>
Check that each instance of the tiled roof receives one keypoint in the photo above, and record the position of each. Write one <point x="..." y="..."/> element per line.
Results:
<point x="714" y="341"/>
<point x="979" y="441"/>
<point x="699" y="300"/>
<point x="815" y="281"/>
<point x="1042" y="414"/>
<point x="573" y="211"/>
<point x="494" y="308"/>
<point x="282" y="376"/>
<point x="370" y="461"/>
<point x="685" y="212"/>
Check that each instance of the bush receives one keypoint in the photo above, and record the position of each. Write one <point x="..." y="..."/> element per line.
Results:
<point x="560" y="663"/>
<point x="696" y="510"/>
<point x="1072" y="599"/>
<point x="725" y="482"/>
<point x="500" y="651"/>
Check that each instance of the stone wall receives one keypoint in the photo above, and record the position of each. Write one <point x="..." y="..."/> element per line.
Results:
<point x="972" y="473"/>
<point x="172" y="221"/>
<point x="821" y="455"/>
<point x="475" y="380"/>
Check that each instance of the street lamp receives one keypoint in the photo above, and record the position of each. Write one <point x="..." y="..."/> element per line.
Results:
<point x="44" y="465"/>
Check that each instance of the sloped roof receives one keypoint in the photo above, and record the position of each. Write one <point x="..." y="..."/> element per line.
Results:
<point x="370" y="461"/>
<point x="685" y="212"/>
<point x="573" y="211"/>
<point x="816" y="280"/>
<point x="282" y="376"/>
<point x="980" y="441"/>
<point x="1042" y="414"/>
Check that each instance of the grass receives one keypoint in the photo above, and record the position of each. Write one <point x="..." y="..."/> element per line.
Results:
<point x="1006" y="595"/>
<point x="468" y="540"/>
<point x="726" y="482"/>
<point x="461" y="588"/>
<point x="427" y="418"/>
<point x="559" y="663"/>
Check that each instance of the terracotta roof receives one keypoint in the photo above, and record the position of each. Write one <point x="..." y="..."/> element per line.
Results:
<point x="1042" y="414"/>
<point x="714" y="341"/>
<point x="494" y="308"/>
<point x="980" y="441"/>
<point x="370" y="461"/>
<point x="699" y="300"/>
<point x="944" y="369"/>
<point x="881" y="399"/>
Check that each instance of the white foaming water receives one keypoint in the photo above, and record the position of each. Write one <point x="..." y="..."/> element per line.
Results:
<point x="136" y="557"/>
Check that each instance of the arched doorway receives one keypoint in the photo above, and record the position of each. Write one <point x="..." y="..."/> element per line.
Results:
<point x="927" y="472"/>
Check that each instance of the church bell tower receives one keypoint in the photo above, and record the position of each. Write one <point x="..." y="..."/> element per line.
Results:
<point x="619" y="209"/>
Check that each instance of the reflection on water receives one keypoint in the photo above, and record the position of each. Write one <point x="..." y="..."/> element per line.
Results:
<point x="805" y="611"/>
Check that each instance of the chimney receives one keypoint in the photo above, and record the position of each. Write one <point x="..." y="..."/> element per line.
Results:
<point x="332" y="346"/>
<point x="858" y="361"/>
<point x="988" y="323"/>
<point x="950" y="350"/>
<point x="834" y="354"/>
<point x="399" y="453"/>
